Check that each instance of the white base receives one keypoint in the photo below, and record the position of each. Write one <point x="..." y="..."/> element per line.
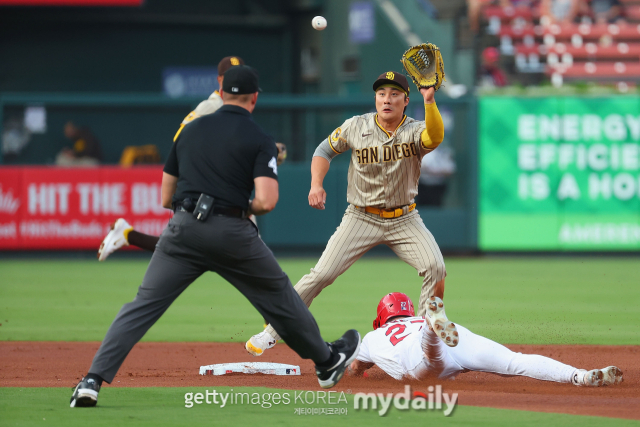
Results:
<point x="250" y="368"/>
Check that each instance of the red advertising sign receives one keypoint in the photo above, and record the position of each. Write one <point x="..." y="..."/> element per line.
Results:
<point x="72" y="208"/>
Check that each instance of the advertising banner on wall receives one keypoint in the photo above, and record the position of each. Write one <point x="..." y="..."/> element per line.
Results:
<point x="559" y="174"/>
<point x="73" y="208"/>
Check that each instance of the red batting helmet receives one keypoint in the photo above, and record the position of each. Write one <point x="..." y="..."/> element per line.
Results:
<point x="393" y="304"/>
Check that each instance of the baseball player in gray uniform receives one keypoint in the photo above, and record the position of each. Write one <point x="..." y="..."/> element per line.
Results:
<point x="386" y="153"/>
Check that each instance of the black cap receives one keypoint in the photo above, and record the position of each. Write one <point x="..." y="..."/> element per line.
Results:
<point x="392" y="77"/>
<point x="228" y="62"/>
<point x="240" y="80"/>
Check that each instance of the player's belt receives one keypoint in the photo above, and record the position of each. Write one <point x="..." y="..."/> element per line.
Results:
<point x="389" y="213"/>
<point x="217" y="210"/>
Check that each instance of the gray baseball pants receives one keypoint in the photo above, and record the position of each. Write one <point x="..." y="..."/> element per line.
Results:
<point x="230" y="247"/>
<point x="359" y="232"/>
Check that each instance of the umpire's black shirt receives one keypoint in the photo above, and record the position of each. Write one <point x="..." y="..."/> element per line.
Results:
<point x="220" y="154"/>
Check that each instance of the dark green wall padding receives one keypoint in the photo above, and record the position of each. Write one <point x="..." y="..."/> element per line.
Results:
<point x="294" y="224"/>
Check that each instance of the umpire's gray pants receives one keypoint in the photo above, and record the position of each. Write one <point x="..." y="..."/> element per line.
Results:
<point x="230" y="247"/>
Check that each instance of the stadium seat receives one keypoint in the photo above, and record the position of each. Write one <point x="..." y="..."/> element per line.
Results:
<point x="632" y="13"/>
<point x="592" y="51"/>
<point x="506" y="14"/>
<point x="553" y="33"/>
<point x="627" y="71"/>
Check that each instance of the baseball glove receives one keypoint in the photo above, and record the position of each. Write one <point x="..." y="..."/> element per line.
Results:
<point x="424" y="65"/>
<point x="282" y="152"/>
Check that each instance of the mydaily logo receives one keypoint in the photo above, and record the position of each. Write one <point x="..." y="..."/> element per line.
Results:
<point x="418" y="401"/>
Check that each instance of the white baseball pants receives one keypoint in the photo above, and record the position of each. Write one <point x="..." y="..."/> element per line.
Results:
<point x="477" y="353"/>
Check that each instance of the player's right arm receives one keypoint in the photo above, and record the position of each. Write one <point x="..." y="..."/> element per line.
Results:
<point x="335" y="144"/>
<point x="317" y="195"/>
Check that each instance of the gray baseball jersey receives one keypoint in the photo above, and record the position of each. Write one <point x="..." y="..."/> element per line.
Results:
<point x="385" y="167"/>
<point x="384" y="173"/>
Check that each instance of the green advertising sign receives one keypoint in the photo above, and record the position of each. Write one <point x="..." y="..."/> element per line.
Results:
<point x="559" y="174"/>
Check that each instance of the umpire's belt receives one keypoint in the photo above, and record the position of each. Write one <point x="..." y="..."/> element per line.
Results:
<point x="217" y="210"/>
<point x="388" y="213"/>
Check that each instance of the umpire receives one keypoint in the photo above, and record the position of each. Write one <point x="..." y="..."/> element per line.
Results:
<point x="212" y="169"/>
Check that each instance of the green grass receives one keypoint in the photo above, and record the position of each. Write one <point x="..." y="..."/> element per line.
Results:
<point x="159" y="407"/>
<point x="511" y="300"/>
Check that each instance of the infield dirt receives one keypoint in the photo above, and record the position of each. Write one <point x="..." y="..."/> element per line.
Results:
<point x="61" y="364"/>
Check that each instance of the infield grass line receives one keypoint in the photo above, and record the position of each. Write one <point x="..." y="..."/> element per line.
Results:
<point x="546" y="300"/>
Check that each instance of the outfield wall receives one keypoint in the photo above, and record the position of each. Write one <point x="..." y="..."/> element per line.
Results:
<point x="120" y="120"/>
<point x="49" y="208"/>
<point x="533" y="174"/>
<point x="72" y="208"/>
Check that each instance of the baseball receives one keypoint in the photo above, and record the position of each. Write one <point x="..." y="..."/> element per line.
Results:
<point x="319" y="23"/>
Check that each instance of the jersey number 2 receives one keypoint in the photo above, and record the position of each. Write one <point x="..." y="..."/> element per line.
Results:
<point x="394" y="336"/>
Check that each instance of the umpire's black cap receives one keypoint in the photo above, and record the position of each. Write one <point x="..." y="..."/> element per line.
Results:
<point x="240" y="80"/>
<point x="392" y="78"/>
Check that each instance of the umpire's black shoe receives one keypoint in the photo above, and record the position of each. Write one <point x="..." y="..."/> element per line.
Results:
<point x="85" y="393"/>
<point x="346" y="349"/>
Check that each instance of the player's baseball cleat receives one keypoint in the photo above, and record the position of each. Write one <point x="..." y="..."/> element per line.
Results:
<point x="258" y="343"/>
<point x="346" y="348"/>
<point x="443" y="328"/>
<point x="611" y="375"/>
<point x="115" y="239"/>
<point x="85" y="393"/>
